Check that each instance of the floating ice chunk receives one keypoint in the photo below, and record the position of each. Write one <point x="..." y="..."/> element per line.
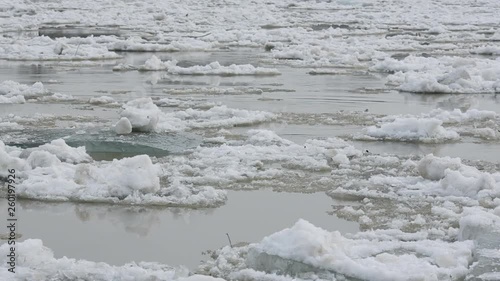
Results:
<point x="120" y="178"/>
<point x="8" y="160"/>
<point x="454" y="76"/>
<point x="468" y="182"/>
<point x="412" y="129"/>
<point x="133" y="180"/>
<point x="141" y="45"/>
<point x="87" y="182"/>
<point x="107" y="141"/>
<point x="154" y="63"/>
<point x="487" y="50"/>
<point x="340" y="159"/>
<point x="306" y="245"/>
<point x="214" y="68"/>
<point x="41" y="158"/>
<point x="443" y="74"/>
<point x="217" y="116"/>
<point x="13" y="99"/>
<point x="62" y="151"/>
<point x="45" y="48"/>
<point x="37" y="262"/>
<point x="123" y="126"/>
<point x="437" y="29"/>
<point x="102" y="100"/>
<point x="455" y="179"/>
<point x="13" y="92"/>
<point x="142" y="113"/>
<point x="484" y="227"/>
<point x="457" y="116"/>
<point x="433" y="168"/>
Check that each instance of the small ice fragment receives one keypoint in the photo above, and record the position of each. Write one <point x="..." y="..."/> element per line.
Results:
<point x="123" y="126"/>
<point x="142" y="113"/>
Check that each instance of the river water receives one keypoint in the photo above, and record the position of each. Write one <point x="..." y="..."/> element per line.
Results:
<point x="270" y="183"/>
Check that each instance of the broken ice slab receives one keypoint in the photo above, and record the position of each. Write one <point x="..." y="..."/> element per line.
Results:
<point x="107" y="144"/>
<point x="273" y="264"/>
<point x="486" y="265"/>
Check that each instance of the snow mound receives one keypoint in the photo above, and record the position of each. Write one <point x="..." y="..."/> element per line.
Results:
<point x="306" y="244"/>
<point x="214" y="68"/>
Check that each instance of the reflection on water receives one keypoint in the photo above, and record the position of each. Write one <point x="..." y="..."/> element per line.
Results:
<point x="175" y="236"/>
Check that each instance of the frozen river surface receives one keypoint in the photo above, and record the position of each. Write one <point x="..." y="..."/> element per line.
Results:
<point x="332" y="140"/>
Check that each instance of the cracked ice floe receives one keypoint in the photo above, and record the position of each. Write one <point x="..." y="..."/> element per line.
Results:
<point x="37" y="262"/>
<point x="53" y="172"/>
<point x="214" y="68"/>
<point x="433" y="178"/>
<point x="45" y="48"/>
<point x="261" y="159"/>
<point x="308" y="252"/>
<point x="430" y="127"/>
<point x="443" y="74"/>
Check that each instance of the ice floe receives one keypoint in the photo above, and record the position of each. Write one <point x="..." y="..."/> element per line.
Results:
<point x="305" y="250"/>
<point x="412" y="129"/>
<point x="14" y="92"/>
<point x="443" y="74"/>
<point x="214" y="68"/>
<point x="45" y="48"/>
<point x="436" y="126"/>
<point x="135" y="180"/>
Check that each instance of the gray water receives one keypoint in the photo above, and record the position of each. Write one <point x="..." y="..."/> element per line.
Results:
<point x="174" y="236"/>
<point x="120" y="234"/>
<point x="294" y="92"/>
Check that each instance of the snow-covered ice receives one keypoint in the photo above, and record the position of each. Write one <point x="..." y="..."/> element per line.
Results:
<point x="214" y="68"/>
<point x="134" y="180"/>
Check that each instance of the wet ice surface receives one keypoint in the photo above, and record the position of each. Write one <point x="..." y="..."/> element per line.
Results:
<point x="271" y="96"/>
